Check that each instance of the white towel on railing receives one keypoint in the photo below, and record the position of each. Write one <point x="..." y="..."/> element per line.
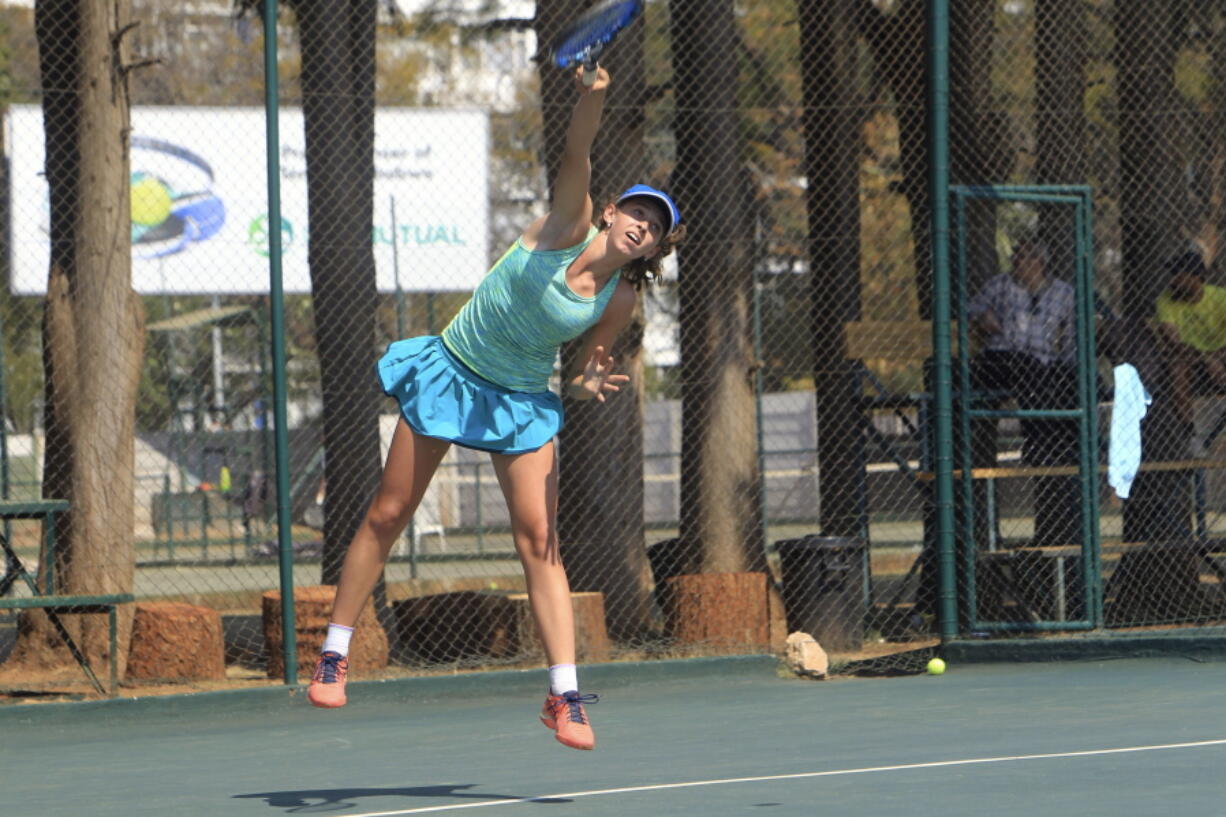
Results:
<point x="1128" y="409"/>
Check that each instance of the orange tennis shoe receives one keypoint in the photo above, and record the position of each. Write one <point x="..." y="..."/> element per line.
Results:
<point x="566" y="716"/>
<point x="327" y="687"/>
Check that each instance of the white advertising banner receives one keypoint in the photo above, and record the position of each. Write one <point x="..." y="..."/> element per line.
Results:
<point x="200" y="202"/>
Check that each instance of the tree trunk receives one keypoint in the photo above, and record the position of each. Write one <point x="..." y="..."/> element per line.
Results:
<point x="1216" y="122"/>
<point x="720" y="508"/>
<point x="834" y="143"/>
<point x="1060" y="121"/>
<point x="93" y="331"/>
<point x="1150" y="183"/>
<point x="897" y="44"/>
<point x="600" y="502"/>
<point x="978" y="153"/>
<point x="338" y="104"/>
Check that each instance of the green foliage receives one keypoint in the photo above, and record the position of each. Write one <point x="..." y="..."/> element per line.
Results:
<point x="23" y="362"/>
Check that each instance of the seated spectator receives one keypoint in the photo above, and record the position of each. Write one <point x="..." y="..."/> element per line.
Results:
<point x="1026" y="322"/>
<point x="1192" y="318"/>
<point x="1027" y="325"/>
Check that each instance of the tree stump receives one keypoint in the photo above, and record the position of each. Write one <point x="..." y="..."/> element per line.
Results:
<point x="724" y="612"/>
<point x="174" y="641"/>
<point x="451" y="627"/>
<point x="518" y="636"/>
<point x="443" y="628"/>
<point x="312" y="608"/>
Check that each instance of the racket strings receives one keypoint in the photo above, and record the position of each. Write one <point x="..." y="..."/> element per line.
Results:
<point x="584" y="42"/>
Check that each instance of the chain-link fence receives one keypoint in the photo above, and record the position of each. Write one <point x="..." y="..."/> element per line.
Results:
<point x="1086" y="301"/>
<point x="773" y="466"/>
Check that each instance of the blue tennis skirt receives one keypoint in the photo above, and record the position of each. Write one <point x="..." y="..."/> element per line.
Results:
<point x="441" y="397"/>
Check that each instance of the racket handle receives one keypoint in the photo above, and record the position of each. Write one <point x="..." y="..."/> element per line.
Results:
<point x="589" y="74"/>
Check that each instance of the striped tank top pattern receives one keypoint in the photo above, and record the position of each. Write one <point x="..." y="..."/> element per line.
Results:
<point x="522" y="311"/>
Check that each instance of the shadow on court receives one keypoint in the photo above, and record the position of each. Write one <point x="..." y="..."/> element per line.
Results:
<point x="321" y="800"/>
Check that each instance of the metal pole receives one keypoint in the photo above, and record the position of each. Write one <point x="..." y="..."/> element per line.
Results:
<point x="396" y="272"/>
<point x="763" y="510"/>
<point x="4" y="439"/>
<point x="1092" y="556"/>
<point x="219" y="367"/>
<point x="938" y="180"/>
<point x="277" y="315"/>
<point x="965" y="413"/>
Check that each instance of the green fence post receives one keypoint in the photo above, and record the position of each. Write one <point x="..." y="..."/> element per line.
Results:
<point x="966" y="460"/>
<point x="938" y="181"/>
<point x="1091" y="523"/>
<point x="277" y="314"/>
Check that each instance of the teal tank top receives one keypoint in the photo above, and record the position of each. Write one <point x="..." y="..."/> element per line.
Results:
<point x="522" y="311"/>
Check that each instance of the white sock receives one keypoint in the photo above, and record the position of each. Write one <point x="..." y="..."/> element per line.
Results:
<point x="563" y="678"/>
<point x="337" y="639"/>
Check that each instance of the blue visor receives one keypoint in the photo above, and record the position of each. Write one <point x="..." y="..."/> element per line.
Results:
<point x="670" y="207"/>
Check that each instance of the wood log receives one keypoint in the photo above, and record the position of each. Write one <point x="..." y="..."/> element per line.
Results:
<point x="724" y="612"/>
<point x="446" y="628"/>
<point x="519" y="636"/>
<point x="475" y="625"/>
<point x="176" y="642"/>
<point x="368" y="651"/>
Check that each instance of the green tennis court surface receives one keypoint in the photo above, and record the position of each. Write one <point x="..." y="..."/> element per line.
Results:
<point x="713" y="738"/>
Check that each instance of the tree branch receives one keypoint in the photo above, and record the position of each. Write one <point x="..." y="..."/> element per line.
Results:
<point x="117" y="36"/>
<point x="503" y="24"/>
<point x="128" y="68"/>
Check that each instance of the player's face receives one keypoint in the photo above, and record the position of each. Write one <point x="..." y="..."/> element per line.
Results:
<point x="637" y="227"/>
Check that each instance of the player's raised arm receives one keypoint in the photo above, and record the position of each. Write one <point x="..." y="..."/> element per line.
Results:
<point x="570" y="212"/>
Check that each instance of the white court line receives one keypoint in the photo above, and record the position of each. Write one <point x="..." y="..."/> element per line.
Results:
<point x="868" y="770"/>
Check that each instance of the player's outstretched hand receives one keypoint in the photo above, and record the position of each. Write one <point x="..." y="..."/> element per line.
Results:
<point x="602" y="80"/>
<point x="598" y="376"/>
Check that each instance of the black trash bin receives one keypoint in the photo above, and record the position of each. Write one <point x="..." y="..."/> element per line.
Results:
<point x="665" y="560"/>
<point x="825" y="588"/>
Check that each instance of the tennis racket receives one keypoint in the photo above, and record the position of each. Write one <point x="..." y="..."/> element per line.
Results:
<point x="591" y="33"/>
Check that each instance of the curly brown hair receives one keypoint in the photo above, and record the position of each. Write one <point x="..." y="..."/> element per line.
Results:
<point x="643" y="270"/>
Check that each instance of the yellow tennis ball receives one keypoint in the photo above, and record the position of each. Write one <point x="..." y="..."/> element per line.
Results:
<point x="150" y="202"/>
<point x="936" y="667"/>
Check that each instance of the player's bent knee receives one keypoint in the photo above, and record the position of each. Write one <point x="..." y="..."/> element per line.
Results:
<point x="537" y="543"/>
<point x="388" y="516"/>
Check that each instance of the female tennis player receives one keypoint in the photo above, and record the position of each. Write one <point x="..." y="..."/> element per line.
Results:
<point x="484" y="384"/>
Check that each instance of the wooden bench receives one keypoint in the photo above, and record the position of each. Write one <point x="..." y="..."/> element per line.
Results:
<point x="80" y="604"/>
<point x="911" y="340"/>
<point x="45" y="598"/>
<point x="1022" y="471"/>
<point x="1048" y="565"/>
<point x="1038" y="579"/>
<point x="1195" y="467"/>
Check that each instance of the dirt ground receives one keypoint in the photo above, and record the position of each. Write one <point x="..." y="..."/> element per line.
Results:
<point x="69" y="684"/>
